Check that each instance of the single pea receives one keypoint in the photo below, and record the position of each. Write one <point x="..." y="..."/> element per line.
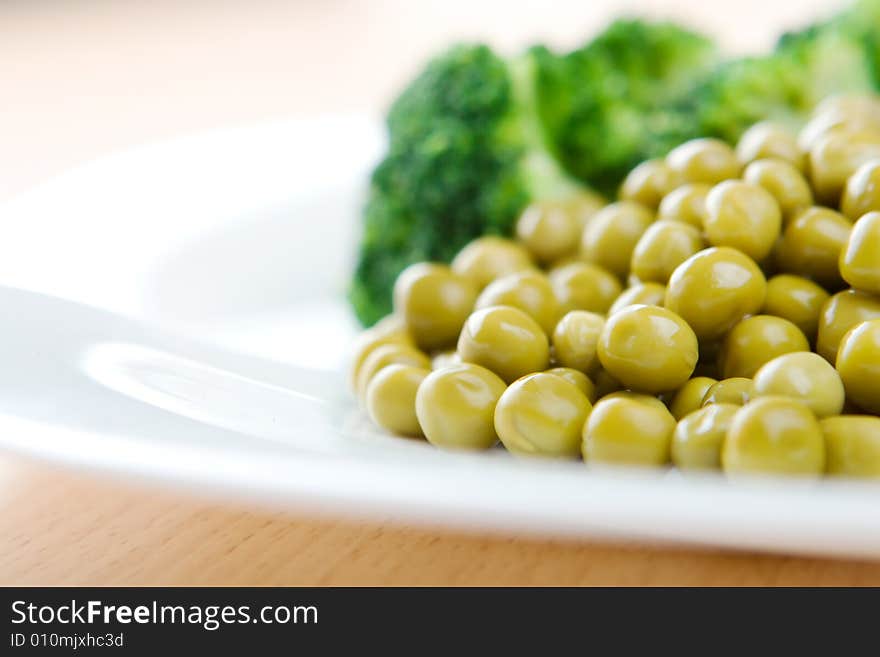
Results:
<point x="646" y="294"/>
<point x="455" y="406"/>
<point x="803" y="376"/>
<point x="698" y="437"/>
<point x="860" y="258"/>
<point x="784" y="181"/>
<point x="609" y="238"/>
<point x="689" y="397"/>
<point x="769" y="140"/>
<point x="757" y="340"/>
<point x="584" y="286"/>
<point x="839" y="113"/>
<point x="862" y="192"/>
<point x="735" y="390"/>
<point x="742" y="216"/>
<point x="662" y="248"/>
<point x="648" y="349"/>
<point x="774" y="435"/>
<point x="384" y="355"/>
<point x="639" y="397"/>
<point x="836" y="155"/>
<point x="835" y="117"/>
<point x="385" y="332"/>
<point x="648" y="183"/>
<point x="490" y="257"/>
<point x="858" y="361"/>
<point x="853" y="445"/>
<point x="623" y="430"/>
<point x="391" y="398"/>
<point x="686" y="203"/>
<point x="548" y="230"/>
<point x="812" y="243"/>
<point x="703" y="161"/>
<point x="576" y="339"/>
<point x="530" y="291"/>
<point x="541" y="415"/>
<point x="714" y="289"/>
<point x="577" y="378"/>
<point x="504" y="340"/>
<point x="434" y="301"/>
<point x="841" y="313"/>
<point x="797" y="299"/>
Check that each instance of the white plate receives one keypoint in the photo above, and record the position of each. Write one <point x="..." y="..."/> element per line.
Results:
<point x="241" y="241"/>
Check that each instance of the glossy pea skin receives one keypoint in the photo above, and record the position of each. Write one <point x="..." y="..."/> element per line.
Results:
<point x="769" y="140"/>
<point x="755" y="341"/>
<point x="699" y="436"/>
<point x="662" y="248"/>
<point x="704" y="160"/>
<point x="455" y="407"/>
<point x="628" y="431"/>
<point x="646" y="294"/>
<point x="685" y="203"/>
<point x="548" y="230"/>
<point x="804" y="376"/>
<point x="743" y="216"/>
<point x="611" y="235"/>
<point x="648" y="183"/>
<point x="714" y="289"/>
<point x="391" y="399"/>
<point x="736" y="390"/>
<point x="784" y="181"/>
<point x="584" y="286"/>
<point x="858" y="361"/>
<point x="853" y="445"/>
<point x="689" y="397"/>
<point x="445" y="358"/>
<point x="862" y="192"/>
<point x="434" y="301"/>
<point x="577" y="378"/>
<point x="836" y="155"/>
<point x="811" y="245"/>
<point x="504" y="340"/>
<point x="384" y="355"/>
<point x="391" y="330"/>
<point x="542" y="414"/>
<point x="840" y="313"/>
<point x="837" y="113"/>
<point x="860" y="257"/>
<point x="797" y="299"/>
<point x="529" y="291"/>
<point x="490" y="257"/>
<point x="648" y="349"/>
<point x="576" y="340"/>
<point x="774" y="435"/>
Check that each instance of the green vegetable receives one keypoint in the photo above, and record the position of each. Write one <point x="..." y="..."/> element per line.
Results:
<point x="475" y="138"/>
<point x="604" y="103"/>
<point x="466" y="154"/>
<point x="839" y="55"/>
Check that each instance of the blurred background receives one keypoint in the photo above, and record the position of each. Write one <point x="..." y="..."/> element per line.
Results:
<point x="84" y="77"/>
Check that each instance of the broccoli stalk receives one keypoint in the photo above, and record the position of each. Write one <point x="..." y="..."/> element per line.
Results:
<point x="466" y="153"/>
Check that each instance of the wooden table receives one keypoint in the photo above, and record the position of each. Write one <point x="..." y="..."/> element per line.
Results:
<point x="83" y="78"/>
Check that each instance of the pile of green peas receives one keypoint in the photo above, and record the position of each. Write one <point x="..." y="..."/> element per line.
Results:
<point x="723" y="313"/>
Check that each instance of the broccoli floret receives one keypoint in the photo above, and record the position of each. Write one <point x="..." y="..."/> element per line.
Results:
<point x="837" y="56"/>
<point x="466" y="153"/>
<point x="603" y="104"/>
